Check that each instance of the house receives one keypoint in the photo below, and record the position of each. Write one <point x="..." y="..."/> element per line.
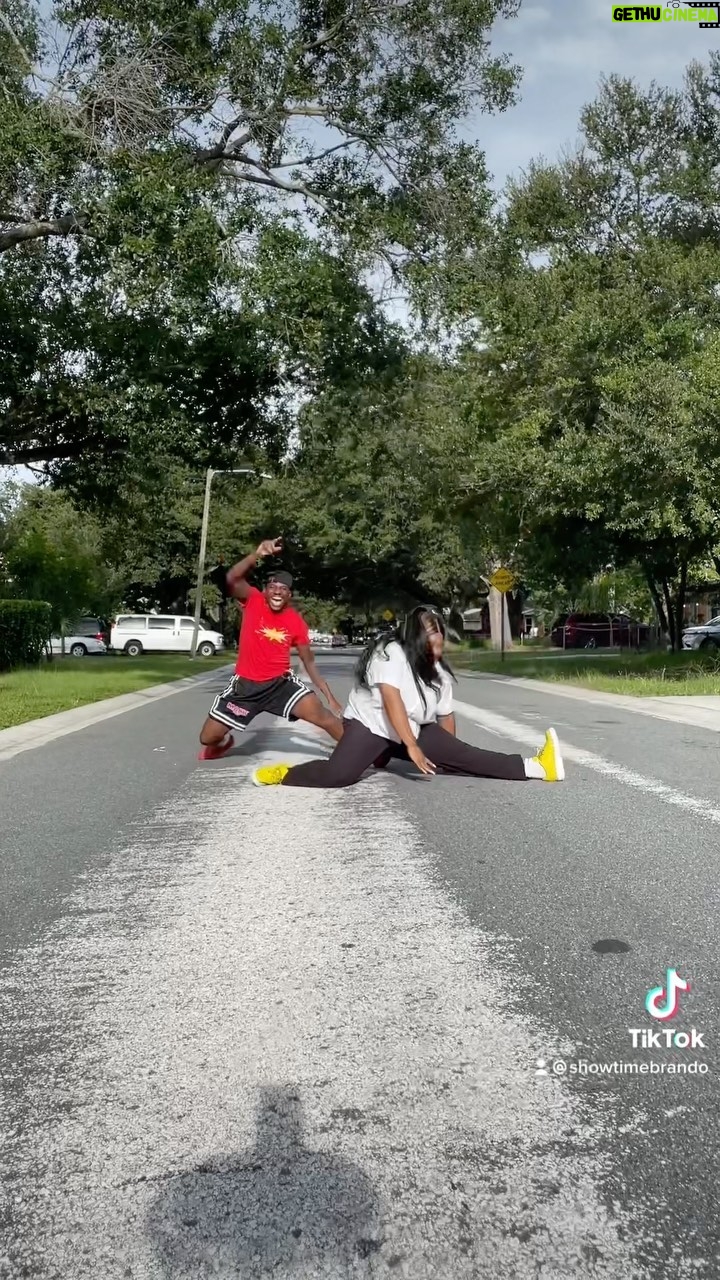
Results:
<point x="477" y="621"/>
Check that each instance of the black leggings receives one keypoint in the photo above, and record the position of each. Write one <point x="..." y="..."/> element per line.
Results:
<point x="359" y="748"/>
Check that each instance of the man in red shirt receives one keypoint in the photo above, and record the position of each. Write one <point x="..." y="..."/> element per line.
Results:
<point x="263" y="680"/>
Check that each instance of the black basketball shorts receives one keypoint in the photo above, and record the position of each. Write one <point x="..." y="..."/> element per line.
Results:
<point x="243" y="700"/>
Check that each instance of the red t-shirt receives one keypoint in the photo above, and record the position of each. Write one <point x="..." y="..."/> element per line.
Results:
<point x="266" y="638"/>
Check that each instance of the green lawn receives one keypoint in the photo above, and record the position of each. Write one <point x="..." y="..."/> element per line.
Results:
<point x="73" y="682"/>
<point x="645" y="675"/>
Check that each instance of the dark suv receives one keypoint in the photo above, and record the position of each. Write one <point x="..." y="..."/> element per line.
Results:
<point x="598" y="631"/>
<point x="97" y="627"/>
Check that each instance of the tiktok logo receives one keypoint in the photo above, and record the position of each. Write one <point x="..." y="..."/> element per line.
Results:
<point x="663" y="1002"/>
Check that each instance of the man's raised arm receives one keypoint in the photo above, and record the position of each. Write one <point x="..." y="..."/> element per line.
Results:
<point x="237" y="583"/>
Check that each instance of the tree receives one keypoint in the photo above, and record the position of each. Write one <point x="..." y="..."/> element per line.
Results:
<point x="188" y="198"/>
<point x="347" y="112"/>
<point x="51" y="552"/>
<point x="97" y="393"/>
<point x="601" y="320"/>
<point x="374" y="490"/>
<point x="110" y="397"/>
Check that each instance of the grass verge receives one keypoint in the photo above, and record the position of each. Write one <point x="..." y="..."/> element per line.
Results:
<point x="65" y="683"/>
<point x="644" y="675"/>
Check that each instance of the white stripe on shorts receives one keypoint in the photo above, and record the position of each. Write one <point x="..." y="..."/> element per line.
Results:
<point x="300" y="692"/>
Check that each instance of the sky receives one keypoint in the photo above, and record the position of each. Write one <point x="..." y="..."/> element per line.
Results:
<point x="564" y="48"/>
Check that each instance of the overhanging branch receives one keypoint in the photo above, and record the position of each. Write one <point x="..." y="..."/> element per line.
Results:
<point x="38" y="229"/>
<point x="22" y="457"/>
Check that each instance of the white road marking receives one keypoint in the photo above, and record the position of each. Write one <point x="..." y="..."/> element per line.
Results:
<point x="264" y="1042"/>
<point x="502" y="726"/>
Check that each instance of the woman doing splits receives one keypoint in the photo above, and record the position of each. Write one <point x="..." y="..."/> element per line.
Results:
<point x="401" y="707"/>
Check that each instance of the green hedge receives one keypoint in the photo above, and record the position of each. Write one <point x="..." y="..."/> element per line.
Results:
<point x="25" y="628"/>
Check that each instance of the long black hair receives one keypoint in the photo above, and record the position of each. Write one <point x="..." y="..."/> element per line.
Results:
<point x="412" y="636"/>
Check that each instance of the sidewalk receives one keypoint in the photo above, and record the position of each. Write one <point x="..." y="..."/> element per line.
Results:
<point x="36" y="733"/>
<point x="702" y="712"/>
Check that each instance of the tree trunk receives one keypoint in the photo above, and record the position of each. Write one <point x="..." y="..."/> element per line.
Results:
<point x="670" y="613"/>
<point x="515" y="612"/>
<point x="680" y="603"/>
<point x="670" y="607"/>
<point x="659" y="608"/>
<point x="497" y="602"/>
<point x="455" y="619"/>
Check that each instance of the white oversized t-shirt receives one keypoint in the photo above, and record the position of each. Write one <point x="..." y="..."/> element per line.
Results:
<point x="390" y="666"/>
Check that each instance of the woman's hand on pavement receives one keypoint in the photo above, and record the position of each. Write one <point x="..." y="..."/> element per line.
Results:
<point x="419" y="758"/>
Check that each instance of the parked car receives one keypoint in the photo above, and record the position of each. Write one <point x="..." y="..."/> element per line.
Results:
<point x="704" y="636"/>
<point x="136" y="633"/>
<point x="84" y="636"/>
<point x="90" y="625"/>
<point x="598" y="631"/>
<point x="320" y="637"/>
<point x="339" y="641"/>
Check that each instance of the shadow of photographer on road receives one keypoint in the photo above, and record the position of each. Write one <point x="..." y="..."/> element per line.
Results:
<point x="273" y="1209"/>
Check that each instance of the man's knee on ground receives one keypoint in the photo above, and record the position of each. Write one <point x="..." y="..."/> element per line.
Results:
<point x="211" y="732"/>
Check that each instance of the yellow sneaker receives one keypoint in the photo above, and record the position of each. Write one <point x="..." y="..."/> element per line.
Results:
<point x="270" y="775"/>
<point x="550" y="758"/>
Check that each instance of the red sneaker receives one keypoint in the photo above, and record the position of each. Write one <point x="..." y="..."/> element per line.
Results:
<point x="217" y="753"/>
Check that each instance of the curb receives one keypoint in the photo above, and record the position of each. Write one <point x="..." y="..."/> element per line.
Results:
<point x="36" y="733"/>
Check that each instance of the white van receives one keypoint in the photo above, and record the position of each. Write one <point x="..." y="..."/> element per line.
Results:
<point x="136" y="633"/>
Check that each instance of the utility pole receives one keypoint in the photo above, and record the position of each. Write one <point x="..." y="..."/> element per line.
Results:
<point x="232" y="471"/>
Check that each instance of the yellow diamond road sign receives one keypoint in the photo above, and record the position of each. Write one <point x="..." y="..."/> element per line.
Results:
<point x="503" y="580"/>
<point x="388" y="615"/>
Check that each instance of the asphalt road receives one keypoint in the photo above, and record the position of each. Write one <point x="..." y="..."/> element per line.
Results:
<point x="251" y="1033"/>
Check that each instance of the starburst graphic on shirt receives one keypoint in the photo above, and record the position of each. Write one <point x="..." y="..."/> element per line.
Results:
<point x="277" y="637"/>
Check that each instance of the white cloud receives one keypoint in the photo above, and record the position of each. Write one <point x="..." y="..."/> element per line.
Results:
<point x="536" y="16"/>
<point x="20" y="475"/>
<point x="564" y="52"/>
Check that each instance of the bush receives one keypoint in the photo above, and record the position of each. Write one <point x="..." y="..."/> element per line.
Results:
<point x="25" y="628"/>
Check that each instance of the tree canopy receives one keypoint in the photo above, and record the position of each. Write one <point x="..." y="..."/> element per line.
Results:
<point x="199" y="205"/>
<point x="348" y="111"/>
<point x="242" y="186"/>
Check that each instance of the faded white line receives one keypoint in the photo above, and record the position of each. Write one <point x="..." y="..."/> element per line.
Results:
<point x="676" y="710"/>
<point x="503" y="727"/>
<point x="37" y="733"/>
<point x="264" y="1042"/>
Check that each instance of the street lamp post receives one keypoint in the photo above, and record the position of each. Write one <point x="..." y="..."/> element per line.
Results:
<point x="231" y="471"/>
